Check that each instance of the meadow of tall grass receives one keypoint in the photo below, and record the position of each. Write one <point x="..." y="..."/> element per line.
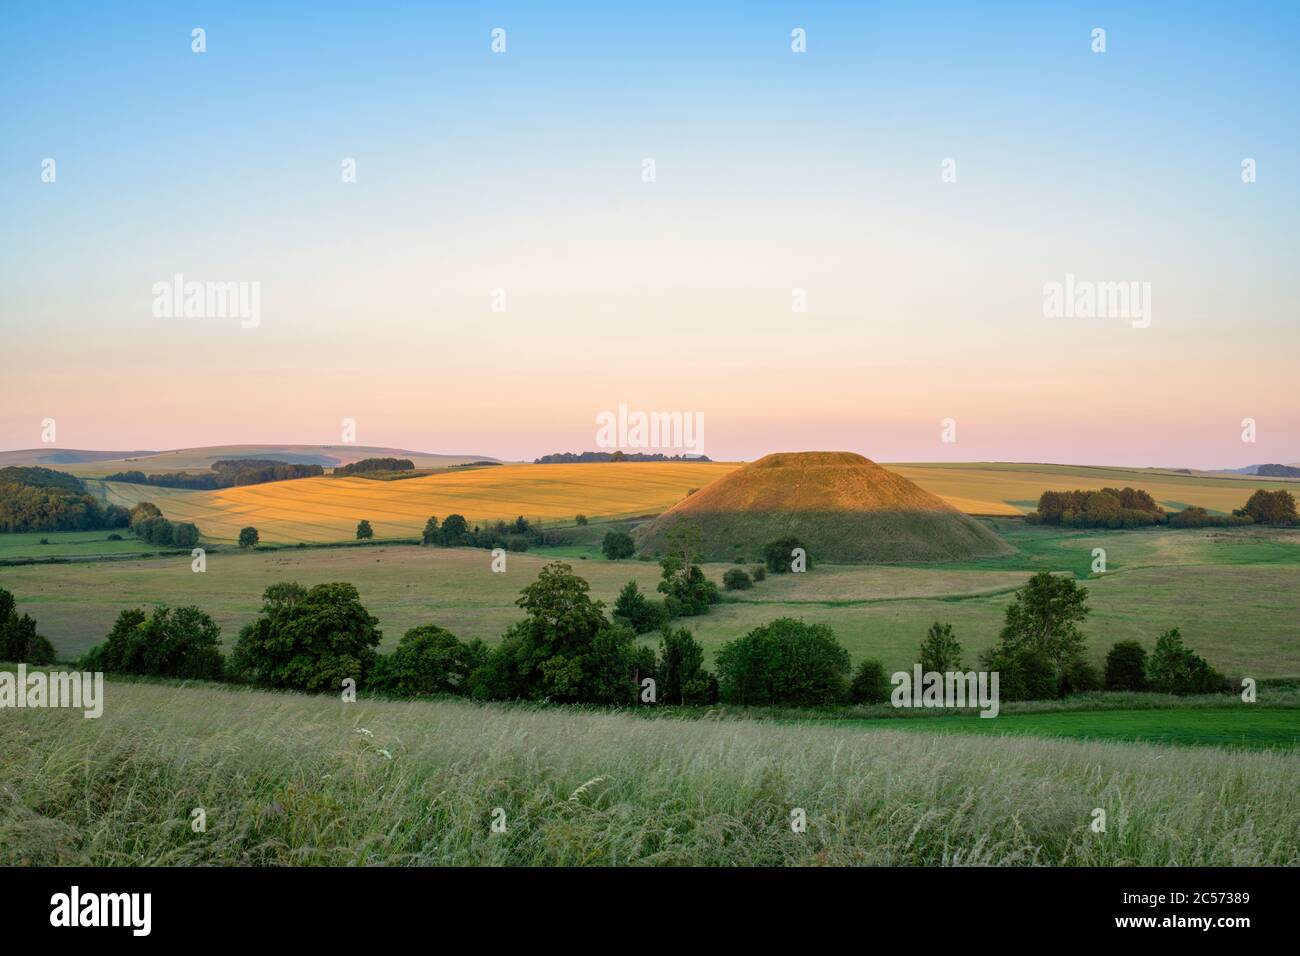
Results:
<point x="285" y="779"/>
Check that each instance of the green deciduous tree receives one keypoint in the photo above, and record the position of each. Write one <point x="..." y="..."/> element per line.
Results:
<point x="636" y="610"/>
<point x="681" y="676"/>
<point x="428" y="660"/>
<point x="940" y="651"/>
<point x="1271" y="507"/>
<point x="308" y="638"/>
<point x="454" y="531"/>
<point x="1174" y="668"/>
<point x="565" y="649"/>
<point x="169" y="642"/>
<point x="617" y="545"/>
<point x="431" y="533"/>
<point x="19" y="642"/>
<point x="1045" y="616"/>
<point x="785" y="662"/>
<point x="870" y="684"/>
<point x="1126" y="666"/>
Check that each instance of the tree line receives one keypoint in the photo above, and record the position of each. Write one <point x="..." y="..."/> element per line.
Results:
<point x="517" y="535"/>
<point x="42" y="499"/>
<point x="566" y="649"/>
<point x="587" y="457"/>
<point x="375" y="464"/>
<point x="224" y="473"/>
<point x="1135" y="508"/>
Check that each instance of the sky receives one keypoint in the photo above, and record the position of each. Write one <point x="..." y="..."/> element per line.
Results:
<point x="501" y="272"/>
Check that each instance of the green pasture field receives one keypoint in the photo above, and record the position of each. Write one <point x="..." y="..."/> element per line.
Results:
<point x="1244" y="726"/>
<point x="70" y="544"/>
<point x="1234" y="593"/>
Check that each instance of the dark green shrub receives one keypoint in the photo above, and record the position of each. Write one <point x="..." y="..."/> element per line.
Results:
<point x="1126" y="666"/>
<point x="431" y="533"/>
<point x="1174" y="668"/>
<point x="637" y="611"/>
<point x="580" y="520"/>
<point x="19" y="642"/>
<point x="778" y="557"/>
<point x="156" y="530"/>
<point x="682" y="678"/>
<point x="364" y="531"/>
<point x="758" y="572"/>
<point x="737" y="580"/>
<point x="185" y="534"/>
<point x="1026" y="674"/>
<point x="248" y="537"/>
<point x="618" y="545"/>
<point x="1081" y="677"/>
<point x="870" y="684"/>
<point x="428" y="660"/>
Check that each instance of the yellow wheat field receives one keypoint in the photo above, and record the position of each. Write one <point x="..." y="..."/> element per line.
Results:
<point x="995" y="488"/>
<point x="328" y="509"/>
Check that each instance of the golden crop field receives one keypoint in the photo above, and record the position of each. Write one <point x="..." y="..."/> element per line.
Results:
<point x="328" y="509"/>
<point x="996" y="488"/>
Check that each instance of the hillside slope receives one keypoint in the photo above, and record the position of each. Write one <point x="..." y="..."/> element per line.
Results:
<point x="844" y="508"/>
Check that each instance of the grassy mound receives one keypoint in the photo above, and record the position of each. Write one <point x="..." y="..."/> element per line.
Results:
<point x="843" y="507"/>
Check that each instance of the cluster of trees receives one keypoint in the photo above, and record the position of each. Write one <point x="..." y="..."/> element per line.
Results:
<point x="1270" y="507"/>
<point x="1195" y="517"/>
<point x="778" y="557"/>
<point x="19" y="641"/>
<point x="375" y="464"/>
<point x="178" y="642"/>
<point x="517" y="535"/>
<point x="1134" y="508"/>
<point x="566" y="649"/>
<point x="42" y="499"/>
<point x="148" y="523"/>
<point x="686" y="591"/>
<point x="1040" y="653"/>
<point x="1107" y="508"/>
<point x="1172" y="668"/>
<point x="225" y="473"/>
<point x="570" y="458"/>
<point x="1277" y="471"/>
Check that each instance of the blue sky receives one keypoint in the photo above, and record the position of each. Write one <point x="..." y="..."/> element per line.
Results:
<point x="775" y="170"/>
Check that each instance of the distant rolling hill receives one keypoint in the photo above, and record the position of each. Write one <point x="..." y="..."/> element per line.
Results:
<point x="844" y="508"/>
<point x="96" y="464"/>
<point x="63" y="456"/>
